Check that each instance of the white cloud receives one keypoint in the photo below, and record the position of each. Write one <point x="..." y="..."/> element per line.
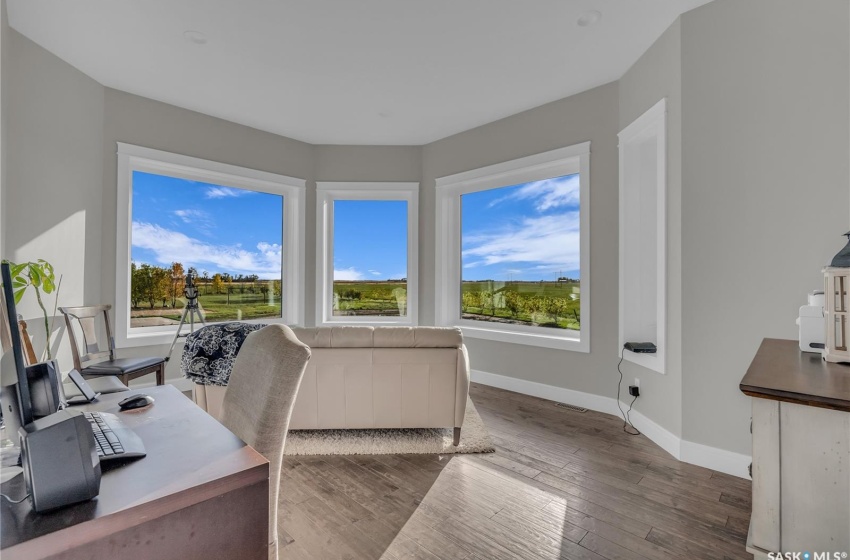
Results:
<point x="224" y="192"/>
<point x="188" y="215"/>
<point x="347" y="274"/>
<point x="550" y="241"/>
<point x="374" y="272"/>
<point x="203" y="221"/>
<point x="547" y="194"/>
<point x="172" y="246"/>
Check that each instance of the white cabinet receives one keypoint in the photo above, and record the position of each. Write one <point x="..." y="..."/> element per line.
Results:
<point x="801" y="479"/>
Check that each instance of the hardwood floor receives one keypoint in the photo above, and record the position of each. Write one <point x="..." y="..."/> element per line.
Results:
<point x="561" y="484"/>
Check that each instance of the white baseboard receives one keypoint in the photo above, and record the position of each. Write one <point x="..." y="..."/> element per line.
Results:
<point x="716" y="459"/>
<point x="543" y="391"/>
<point x="181" y="383"/>
<point x="666" y="440"/>
<point x="712" y="458"/>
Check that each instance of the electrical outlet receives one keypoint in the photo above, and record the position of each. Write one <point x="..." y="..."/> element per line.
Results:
<point x="637" y="382"/>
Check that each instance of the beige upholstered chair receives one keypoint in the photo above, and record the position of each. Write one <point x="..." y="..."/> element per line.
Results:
<point x="259" y="401"/>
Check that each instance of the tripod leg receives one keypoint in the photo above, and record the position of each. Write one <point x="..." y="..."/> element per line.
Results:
<point x="177" y="334"/>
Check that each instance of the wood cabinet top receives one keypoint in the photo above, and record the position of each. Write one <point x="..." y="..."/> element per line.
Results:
<point x="781" y="372"/>
<point x="190" y="458"/>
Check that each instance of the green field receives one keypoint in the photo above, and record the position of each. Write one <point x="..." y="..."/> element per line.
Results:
<point x="216" y="307"/>
<point x="381" y="299"/>
<point x="546" y="304"/>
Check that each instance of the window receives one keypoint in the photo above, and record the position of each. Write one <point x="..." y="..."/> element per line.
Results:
<point x="643" y="241"/>
<point x="238" y="230"/>
<point x="512" y="250"/>
<point x="367" y="253"/>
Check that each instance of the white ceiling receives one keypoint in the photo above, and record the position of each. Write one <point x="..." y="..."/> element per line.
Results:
<point x="350" y="71"/>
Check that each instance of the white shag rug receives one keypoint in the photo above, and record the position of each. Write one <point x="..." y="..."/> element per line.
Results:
<point x="474" y="438"/>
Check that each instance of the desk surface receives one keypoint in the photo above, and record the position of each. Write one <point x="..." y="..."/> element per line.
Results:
<point x="190" y="458"/>
<point x="780" y="371"/>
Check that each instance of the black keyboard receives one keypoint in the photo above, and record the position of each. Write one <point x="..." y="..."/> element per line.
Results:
<point x="113" y="439"/>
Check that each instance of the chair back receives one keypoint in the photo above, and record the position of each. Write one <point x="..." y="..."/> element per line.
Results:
<point x="84" y="320"/>
<point x="259" y="400"/>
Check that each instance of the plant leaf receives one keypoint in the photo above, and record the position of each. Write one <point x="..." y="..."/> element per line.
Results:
<point x="18" y="295"/>
<point x="35" y="276"/>
<point x="48" y="285"/>
<point x="16" y="269"/>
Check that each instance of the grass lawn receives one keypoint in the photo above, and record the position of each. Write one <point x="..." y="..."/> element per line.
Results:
<point x="546" y="304"/>
<point x="217" y="308"/>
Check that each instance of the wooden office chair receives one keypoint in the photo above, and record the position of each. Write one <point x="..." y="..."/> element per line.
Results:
<point x="259" y="400"/>
<point x="98" y="362"/>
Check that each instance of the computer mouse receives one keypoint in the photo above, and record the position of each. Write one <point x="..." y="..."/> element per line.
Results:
<point x="135" y="401"/>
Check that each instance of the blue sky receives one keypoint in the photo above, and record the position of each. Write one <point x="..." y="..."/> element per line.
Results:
<point x="213" y="228"/>
<point x="522" y="232"/>
<point x="370" y="239"/>
<point x="528" y="231"/>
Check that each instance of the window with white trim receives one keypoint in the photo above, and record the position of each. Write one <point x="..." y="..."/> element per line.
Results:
<point x="240" y="231"/>
<point x="367" y="249"/>
<point x="513" y="250"/>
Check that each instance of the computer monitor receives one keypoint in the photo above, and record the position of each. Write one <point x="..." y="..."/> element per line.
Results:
<point x="15" y="395"/>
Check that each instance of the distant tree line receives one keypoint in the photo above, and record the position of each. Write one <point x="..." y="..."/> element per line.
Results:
<point x="154" y="285"/>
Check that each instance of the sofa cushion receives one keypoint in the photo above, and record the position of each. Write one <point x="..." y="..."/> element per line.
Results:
<point x="209" y="352"/>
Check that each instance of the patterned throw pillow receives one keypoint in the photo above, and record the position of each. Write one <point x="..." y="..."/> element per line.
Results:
<point x="209" y="352"/>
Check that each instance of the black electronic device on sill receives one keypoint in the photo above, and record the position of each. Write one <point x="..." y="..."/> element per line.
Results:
<point x="641" y="347"/>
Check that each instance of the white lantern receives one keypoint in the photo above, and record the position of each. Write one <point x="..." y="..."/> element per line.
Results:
<point x="835" y="310"/>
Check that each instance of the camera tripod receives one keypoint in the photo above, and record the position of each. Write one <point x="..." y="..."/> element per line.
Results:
<point x="192" y="311"/>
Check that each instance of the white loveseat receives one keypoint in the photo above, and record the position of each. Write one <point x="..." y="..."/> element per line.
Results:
<point x="375" y="377"/>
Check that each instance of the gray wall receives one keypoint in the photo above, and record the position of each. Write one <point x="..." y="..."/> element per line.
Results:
<point x="5" y="50"/>
<point x="592" y="116"/>
<point x="54" y="172"/>
<point x="656" y="75"/>
<point x="765" y="189"/>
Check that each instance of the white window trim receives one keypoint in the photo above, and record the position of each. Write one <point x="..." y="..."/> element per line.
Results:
<point x="326" y="193"/>
<point x="651" y="124"/>
<point x="136" y="158"/>
<point x="556" y="163"/>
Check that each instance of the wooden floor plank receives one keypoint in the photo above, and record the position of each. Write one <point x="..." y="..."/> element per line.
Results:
<point x="562" y="484"/>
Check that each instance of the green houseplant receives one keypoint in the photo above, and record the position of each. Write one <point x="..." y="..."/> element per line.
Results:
<point x="40" y="276"/>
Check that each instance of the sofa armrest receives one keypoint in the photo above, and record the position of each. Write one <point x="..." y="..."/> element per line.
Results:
<point x="462" y="390"/>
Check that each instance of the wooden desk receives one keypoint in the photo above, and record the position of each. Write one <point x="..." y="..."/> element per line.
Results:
<point x="801" y="449"/>
<point x="199" y="493"/>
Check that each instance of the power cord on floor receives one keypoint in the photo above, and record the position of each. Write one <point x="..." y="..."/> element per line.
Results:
<point x="627" y="422"/>
<point x="11" y="501"/>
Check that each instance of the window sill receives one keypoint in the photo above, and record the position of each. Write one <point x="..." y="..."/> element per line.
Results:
<point x="525" y="338"/>
<point x="655" y="362"/>
<point x="160" y="336"/>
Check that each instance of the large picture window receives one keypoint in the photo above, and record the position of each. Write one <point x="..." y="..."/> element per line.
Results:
<point x="367" y="253"/>
<point x="512" y="262"/>
<point x="228" y="226"/>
